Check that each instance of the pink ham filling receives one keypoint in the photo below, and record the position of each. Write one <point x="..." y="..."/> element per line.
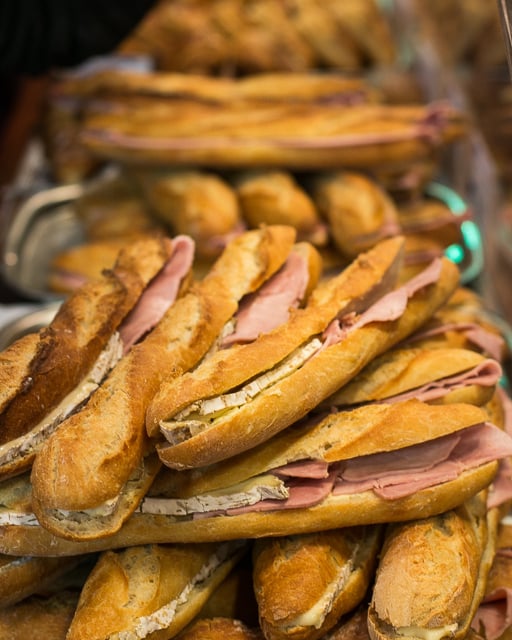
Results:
<point x="269" y="307"/>
<point x="485" y="374"/>
<point x="426" y="464"/>
<point x="389" y="307"/>
<point x="487" y="342"/>
<point x="494" y="614"/>
<point x="501" y="489"/>
<point x="160" y="293"/>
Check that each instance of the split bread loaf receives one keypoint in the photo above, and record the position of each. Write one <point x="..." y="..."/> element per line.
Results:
<point x="304" y="584"/>
<point x="221" y="410"/>
<point x="150" y="591"/>
<point x="154" y="130"/>
<point x="443" y="563"/>
<point x="439" y="375"/>
<point x="344" y="470"/>
<point x="89" y="475"/>
<point x="44" y="376"/>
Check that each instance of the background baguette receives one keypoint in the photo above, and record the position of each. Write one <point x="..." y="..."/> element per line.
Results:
<point x="334" y="512"/>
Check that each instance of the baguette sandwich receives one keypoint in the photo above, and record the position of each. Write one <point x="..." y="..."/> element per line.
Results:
<point x="90" y="474"/>
<point x="46" y="376"/>
<point x="228" y="407"/>
<point x="276" y="197"/>
<point x="373" y="464"/>
<point x="150" y="591"/>
<point x="305" y="583"/>
<point x="443" y="563"/>
<point x="359" y="211"/>
<point x="493" y="618"/>
<point x="344" y="470"/>
<point x="439" y="375"/>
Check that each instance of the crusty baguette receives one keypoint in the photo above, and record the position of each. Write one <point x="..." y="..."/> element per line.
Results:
<point x="69" y="346"/>
<point x="15" y="363"/>
<point x="355" y="288"/>
<point x="275" y="197"/>
<point x="73" y="267"/>
<point x="220" y="629"/>
<point x="150" y="591"/>
<point x="47" y="616"/>
<point x="341" y="436"/>
<point x="492" y="619"/>
<point x="353" y="510"/>
<point x="304" y="584"/>
<point x="198" y="203"/>
<point x="409" y="370"/>
<point x="113" y="340"/>
<point x="90" y="458"/>
<point x="359" y="211"/>
<point x="251" y="134"/>
<point x="21" y="577"/>
<point x="290" y="398"/>
<point x="443" y="562"/>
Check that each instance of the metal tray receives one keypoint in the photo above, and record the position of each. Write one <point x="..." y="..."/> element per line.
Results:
<point x="27" y="323"/>
<point x="44" y="225"/>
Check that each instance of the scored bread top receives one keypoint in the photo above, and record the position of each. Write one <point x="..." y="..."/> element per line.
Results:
<point x="70" y="345"/>
<point x="357" y="285"/>
<point x="339" y="436"/>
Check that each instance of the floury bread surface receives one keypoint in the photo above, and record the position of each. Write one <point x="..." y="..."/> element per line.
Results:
<point x="304" y="584"/>
<point x="150" y="591"/>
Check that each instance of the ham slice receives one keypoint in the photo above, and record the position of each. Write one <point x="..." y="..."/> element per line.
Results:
<point x="269" y="307"/>
<point x="476" y="445"/>
<point x="487" y="342"/>
<point x="494" y="614"/>
<point x="159" y="294"/>
<point x="426" y="464"/>
<point x="485" y="374"/>
<point x="389" y="307"/>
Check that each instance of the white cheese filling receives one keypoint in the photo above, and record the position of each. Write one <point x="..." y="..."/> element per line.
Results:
<point x="428" y="634"/>
<point x="243" y="494"/>
<point x="199" y="415"/>
<point x="163" y="617"/>
<point x="315" y="616"/>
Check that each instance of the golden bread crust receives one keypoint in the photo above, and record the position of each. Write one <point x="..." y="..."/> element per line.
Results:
<point x="72" y="342"/>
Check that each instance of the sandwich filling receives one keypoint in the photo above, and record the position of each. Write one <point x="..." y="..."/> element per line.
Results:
<point x="163" y="617"/>
<point x="205" y="413"/>
<point x="390" y="475"/>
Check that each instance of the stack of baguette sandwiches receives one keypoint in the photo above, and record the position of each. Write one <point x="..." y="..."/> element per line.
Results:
<point x="272" y="451"/>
